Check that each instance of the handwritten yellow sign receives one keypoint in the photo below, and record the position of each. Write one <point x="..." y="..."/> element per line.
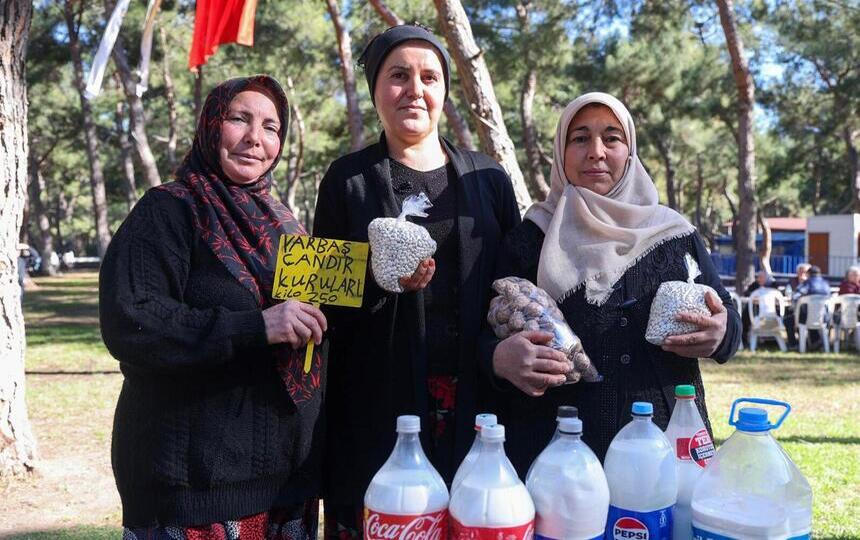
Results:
<point x="320" y="271"/>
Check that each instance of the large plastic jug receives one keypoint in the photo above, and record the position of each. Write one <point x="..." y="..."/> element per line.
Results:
<point x="481" y="420"/>
<point x="752" y="489"/>
<point x="643" y="483"/>
<point x="569" y="488"/>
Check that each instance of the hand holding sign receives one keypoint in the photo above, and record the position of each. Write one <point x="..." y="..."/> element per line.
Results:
<point x="294" y="323"/>
<point x="318" y="271"/>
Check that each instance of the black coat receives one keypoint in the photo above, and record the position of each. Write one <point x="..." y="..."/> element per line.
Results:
<point x="377" y="362"/>
<point x="613" y="336"/>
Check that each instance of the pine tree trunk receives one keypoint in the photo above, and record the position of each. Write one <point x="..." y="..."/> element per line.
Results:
<point x="344" y="50"/>
<point x="297" y="149"/>
<point x="748" y="205"/>
<point x="456" y="122"/>
<point x="17" y="444"/>
<point x="136" y="112"/>
<point x="537" y="183"/>
<point x="766" y="242"/>
<point x="43" y="223"/>
<point x="97" y="182"/>
<point x="125" y="156"/>
<point x="198" y="94"/>
<point x="170" y="96"/>
<point x="478" y="87"/>
<point x="665" y="150"/>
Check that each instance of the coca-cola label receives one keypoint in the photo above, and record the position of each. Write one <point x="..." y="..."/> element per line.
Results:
<point x="459" y="531"/>
<point x="379" y="526"/>
<point x="698" y="448"/>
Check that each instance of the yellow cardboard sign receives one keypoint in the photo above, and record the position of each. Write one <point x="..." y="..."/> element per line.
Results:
<point x="320" y="270"/>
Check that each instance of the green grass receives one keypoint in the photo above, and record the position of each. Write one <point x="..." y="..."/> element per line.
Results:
<point x="822" y="433"/>
<point x="74" y="533"/>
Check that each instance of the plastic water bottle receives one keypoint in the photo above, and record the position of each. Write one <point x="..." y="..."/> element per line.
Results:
<point x="481" y="420"/>
<point x="407" y="497"/>
<point x="491" y="502"/>
<point x="752" y="489"/>
<point x="568" y="488"/>
<point x="693" y="449"/>
<point x="564" y="411"/>
<point x="643" y="484"/>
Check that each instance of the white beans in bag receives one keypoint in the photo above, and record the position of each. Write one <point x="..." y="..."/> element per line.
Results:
<point x="674" y="297"/>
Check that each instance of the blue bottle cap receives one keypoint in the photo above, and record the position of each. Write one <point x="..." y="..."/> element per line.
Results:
<point x="753" y="419"/>
<point x="643" y="408"/>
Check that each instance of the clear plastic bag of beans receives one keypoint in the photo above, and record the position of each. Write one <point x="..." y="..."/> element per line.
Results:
<point x="398" y="246"/>
<point x="523" y="306"/>
<point x="674" y="297"/>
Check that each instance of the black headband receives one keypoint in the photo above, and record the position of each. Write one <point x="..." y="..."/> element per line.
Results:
<point x="379" y="47"/>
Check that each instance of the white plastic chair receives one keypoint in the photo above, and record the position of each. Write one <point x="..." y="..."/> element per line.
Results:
<point x="817" y="307"/>
<point x="848" y="320"/>
<point x="736" y="300"/>
<point x="766" y="307"/>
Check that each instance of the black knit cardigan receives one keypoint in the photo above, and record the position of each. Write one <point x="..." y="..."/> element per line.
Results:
<point x="204" y="429"/>
<point x="613" y="335"/>
<point x="377" y="361"/>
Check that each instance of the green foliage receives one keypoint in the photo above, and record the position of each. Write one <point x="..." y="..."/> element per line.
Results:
<point x="666" y="60"/>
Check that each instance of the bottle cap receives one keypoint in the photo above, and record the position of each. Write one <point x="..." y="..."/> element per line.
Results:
<point x="685" y="390"/>
<point x="567" y="411"/>
<point x="493" y="433"/>
<point x="753" y="419"/>
<point x="643" y="408"/>
<point x="408" y="423"/>
<point x="572" y="426"/>
<point x="485" y="419"/>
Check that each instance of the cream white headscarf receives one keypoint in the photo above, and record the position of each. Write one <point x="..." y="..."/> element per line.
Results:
<point x="593" y="239"/>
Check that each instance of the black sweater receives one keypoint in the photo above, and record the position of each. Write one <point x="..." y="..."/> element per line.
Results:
<point x="613" y="336"/>
<point x="204" y="429"/>
<point x="378" y="363"/>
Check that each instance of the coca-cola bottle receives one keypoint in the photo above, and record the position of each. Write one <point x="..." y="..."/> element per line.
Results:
<point x="491" y="502"/>
<point x="481" y="420"/>
<point x="407" y="498"/>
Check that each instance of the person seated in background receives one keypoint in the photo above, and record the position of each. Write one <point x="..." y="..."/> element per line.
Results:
<point x="851" y="283"/>
<point x="814" y="284"/>
<point x="762" y="279"/>
<point x="802" y="272"/>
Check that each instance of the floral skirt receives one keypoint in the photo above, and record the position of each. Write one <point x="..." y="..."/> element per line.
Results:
<point x="298" y="522"/>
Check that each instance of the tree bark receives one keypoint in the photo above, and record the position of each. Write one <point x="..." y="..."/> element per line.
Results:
<point x="665" y="150"/>
<point x="456" y="122"/>
<point x="537" y="183"/>
<point x="344" y="50"/>
<point x="136" y="113"/>
<point x="766" y="242"/>
<point x="198" y="94"/>
<point x="170" y="96"/>
<point x="700" y="188"/>
<point x="17" y="445"/>
<point x="125" y="156"/>
<point x="296" y="159"/>
<point x="97" y="182"/>
<point x="38" y="193"/>
<point x="748" y="205"/>
<point x="849" y="135"/>
<point x="478" y="87"/>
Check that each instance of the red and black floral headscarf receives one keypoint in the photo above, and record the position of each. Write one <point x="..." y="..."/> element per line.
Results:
<point x="243" y="223"/>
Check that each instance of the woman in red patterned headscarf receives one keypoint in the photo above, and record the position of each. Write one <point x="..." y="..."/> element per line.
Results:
<point x="215" y="433"/>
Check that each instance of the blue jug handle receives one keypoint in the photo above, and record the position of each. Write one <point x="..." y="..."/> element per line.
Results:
<point x="761" y="401"/>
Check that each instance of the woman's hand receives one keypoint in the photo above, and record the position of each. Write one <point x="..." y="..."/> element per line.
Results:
<point x="703" y="343"/>
<point x="530" y="365"/>
<point x="421" y="277"/>
<point x="294" y="323"/>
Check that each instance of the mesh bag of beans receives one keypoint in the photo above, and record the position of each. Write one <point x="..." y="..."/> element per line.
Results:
<point x="522" y="306"/>
<point x="674" y="297"/>
<point x="397" y="246"/>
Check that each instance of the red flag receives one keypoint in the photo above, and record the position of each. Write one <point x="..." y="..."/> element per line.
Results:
<point x="220" y="21"/>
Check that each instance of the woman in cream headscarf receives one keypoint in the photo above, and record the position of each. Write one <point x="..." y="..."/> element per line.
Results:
<point x="601" y="245"/>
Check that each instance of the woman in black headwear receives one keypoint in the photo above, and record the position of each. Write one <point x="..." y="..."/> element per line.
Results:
<point x="215" y="432"/>
<point x="413" y="352"/>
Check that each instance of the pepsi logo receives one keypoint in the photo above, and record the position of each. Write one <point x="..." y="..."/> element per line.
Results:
<point x="628" y="528"/>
